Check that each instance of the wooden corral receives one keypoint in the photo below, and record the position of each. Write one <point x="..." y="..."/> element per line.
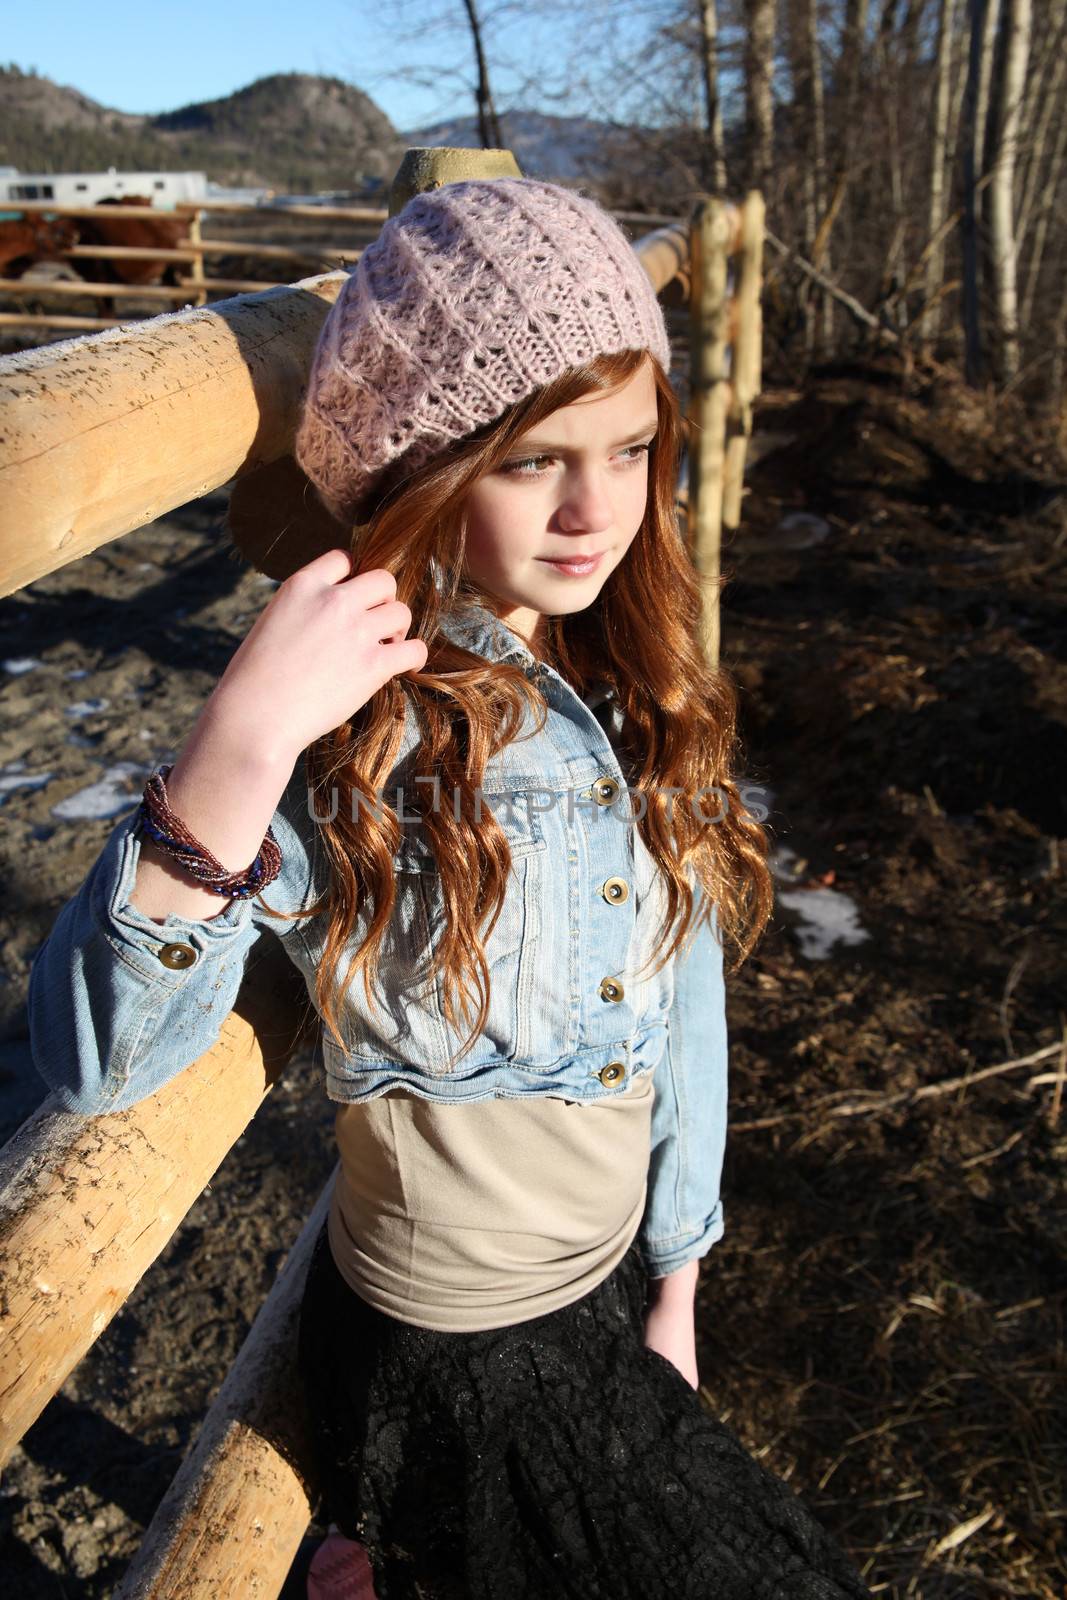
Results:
<point x="135" y="253"/>
<point x="102" y="434"/>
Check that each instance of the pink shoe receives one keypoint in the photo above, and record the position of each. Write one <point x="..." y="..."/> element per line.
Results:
<point x="340" y="1570"/>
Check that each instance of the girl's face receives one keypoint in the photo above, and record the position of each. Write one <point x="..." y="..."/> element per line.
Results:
<point x="575" y="485"/>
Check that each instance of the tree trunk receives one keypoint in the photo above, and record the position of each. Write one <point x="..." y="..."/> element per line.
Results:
<point x="821" y="242"/>
<point x="1045" y="98"/>
<point x="1013" y="58"/>
<point x="984" y="16"/>
<point x="958" y="73"/>
<point x="846" y="83"/>
<point x="935" y="266"/>
<point x="889" y="80"/>
<point x="488" y="121"/>
<point x="759" y="95"/>
<point x="802" y="139"/>
<point x="714" y="165"/>
<point x="1046" y="209"/>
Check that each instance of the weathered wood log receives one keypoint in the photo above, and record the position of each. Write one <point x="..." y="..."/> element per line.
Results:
<point x="746" y="358"/>
<point x="129" y="252"/>
<point x="431" y="166"/>
<point x="104" y="434"/>
<point x="233" y="1518"/>
<point x="88" y="1203"/>
<point x="664" y="254"/>
<point x="21" y="287"/>
<point x="712" y="231"/>
<point x="16" y="320"/>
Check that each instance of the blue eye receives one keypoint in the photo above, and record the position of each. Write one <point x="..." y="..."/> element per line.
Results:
<point x="528" y="466"/>
<point x="641" y="449"/>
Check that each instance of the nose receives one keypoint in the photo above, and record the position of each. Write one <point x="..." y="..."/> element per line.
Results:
<point x="586" y="504"/>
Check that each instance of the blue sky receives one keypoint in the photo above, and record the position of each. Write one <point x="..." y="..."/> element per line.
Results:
<point x="135" y="56"/>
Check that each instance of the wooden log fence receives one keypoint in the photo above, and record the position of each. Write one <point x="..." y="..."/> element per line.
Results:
<point x="101" y="435"/>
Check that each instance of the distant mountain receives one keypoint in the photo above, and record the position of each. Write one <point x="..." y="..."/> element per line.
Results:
<point x="301" y="133"/>
<point x="560" y="149"/>
<point x="292" y="131"/>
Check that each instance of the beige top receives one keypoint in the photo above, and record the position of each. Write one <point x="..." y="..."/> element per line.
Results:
<point x="465" y="1217"/>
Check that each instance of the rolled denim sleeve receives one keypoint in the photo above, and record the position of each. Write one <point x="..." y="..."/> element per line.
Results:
<point x="110" y="1020"/>
<point x="683" y="1214"/>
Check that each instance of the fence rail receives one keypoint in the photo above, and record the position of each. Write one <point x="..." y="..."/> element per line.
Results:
<point x="186" y="208"/>
<point x="100" y="437"/>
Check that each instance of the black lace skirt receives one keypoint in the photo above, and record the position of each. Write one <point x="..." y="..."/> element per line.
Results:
<point x="556" y="1458"/>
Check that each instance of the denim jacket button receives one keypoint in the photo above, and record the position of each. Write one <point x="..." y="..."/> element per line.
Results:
<point x="615" y="890"/>
<point x="611" y="989"/>
<point x="177" y="956"/>
<point x="605" y="790"/>
<point x="614" y="1072"/>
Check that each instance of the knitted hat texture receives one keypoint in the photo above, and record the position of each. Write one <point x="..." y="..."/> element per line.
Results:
<point x="471" y="297"/>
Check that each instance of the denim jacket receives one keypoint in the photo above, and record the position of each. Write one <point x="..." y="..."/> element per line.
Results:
<point x="119" y="1004"/>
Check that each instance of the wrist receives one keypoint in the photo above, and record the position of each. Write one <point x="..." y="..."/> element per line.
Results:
<point x="676" y="1288"/>
<point x="255" y="748"/>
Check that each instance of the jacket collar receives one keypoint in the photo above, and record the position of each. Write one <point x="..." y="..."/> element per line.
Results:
<point x="472" y="625"/>
<point x="475" y="627"/>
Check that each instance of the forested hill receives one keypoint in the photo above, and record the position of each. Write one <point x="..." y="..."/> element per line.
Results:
<point x="292" y="131"/>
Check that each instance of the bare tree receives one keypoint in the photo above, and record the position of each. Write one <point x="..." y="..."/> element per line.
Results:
<point x="715" y="161"/>
<point x="935" y="265"/>
<point x="1044" y="100"/>
<point x="809" y="141"/>
<point x="759" y="94"/>
<point x="984" y="16"/>
<point x="1012" y="60"/>
<point x="1045" y="175"/>
<point x="488" y="122"/>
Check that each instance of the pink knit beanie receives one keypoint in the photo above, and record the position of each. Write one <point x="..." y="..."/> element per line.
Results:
<point x="469" y="298"/>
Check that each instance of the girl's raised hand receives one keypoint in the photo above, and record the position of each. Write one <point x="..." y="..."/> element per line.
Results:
<point x="326" y="641"/>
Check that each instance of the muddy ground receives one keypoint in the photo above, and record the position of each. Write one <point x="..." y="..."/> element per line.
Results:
<point x="883" y="1321"/>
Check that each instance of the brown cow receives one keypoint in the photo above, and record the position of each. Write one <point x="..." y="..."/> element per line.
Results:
<point x="166" y="231"/>
<point x="33" y="238"/>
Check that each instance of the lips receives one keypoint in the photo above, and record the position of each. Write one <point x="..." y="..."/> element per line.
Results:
<point x="572" y="557"/>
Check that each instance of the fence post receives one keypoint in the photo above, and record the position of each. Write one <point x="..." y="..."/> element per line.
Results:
<point x="195" y="280"/>
<point x="747" y="358"/>
<point x="432" y="166"/>
<point x="710" y="231"/>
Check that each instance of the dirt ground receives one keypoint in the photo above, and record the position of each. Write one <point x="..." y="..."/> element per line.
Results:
<point x="883" y="1321"/>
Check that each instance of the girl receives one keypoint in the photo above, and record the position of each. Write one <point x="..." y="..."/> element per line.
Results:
<point x="484" y="757"/>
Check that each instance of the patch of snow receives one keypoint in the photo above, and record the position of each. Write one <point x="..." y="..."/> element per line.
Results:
<point x="109" y="797"/>
<point x="14" y="776"/>
<point x="16" y="665"/>
<point x="78" y="672"/>
<point x="827" y="916"/>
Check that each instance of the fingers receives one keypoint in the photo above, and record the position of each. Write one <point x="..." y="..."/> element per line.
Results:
<point x="405" y="655"/>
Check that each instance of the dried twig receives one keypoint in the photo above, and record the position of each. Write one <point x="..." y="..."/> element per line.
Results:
<point x="925" y="1091"/>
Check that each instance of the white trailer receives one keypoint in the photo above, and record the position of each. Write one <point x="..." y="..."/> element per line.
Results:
<point x="89" y="188"/>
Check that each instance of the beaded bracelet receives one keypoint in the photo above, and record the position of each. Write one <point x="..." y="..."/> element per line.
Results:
<point x="174" y="839"/>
